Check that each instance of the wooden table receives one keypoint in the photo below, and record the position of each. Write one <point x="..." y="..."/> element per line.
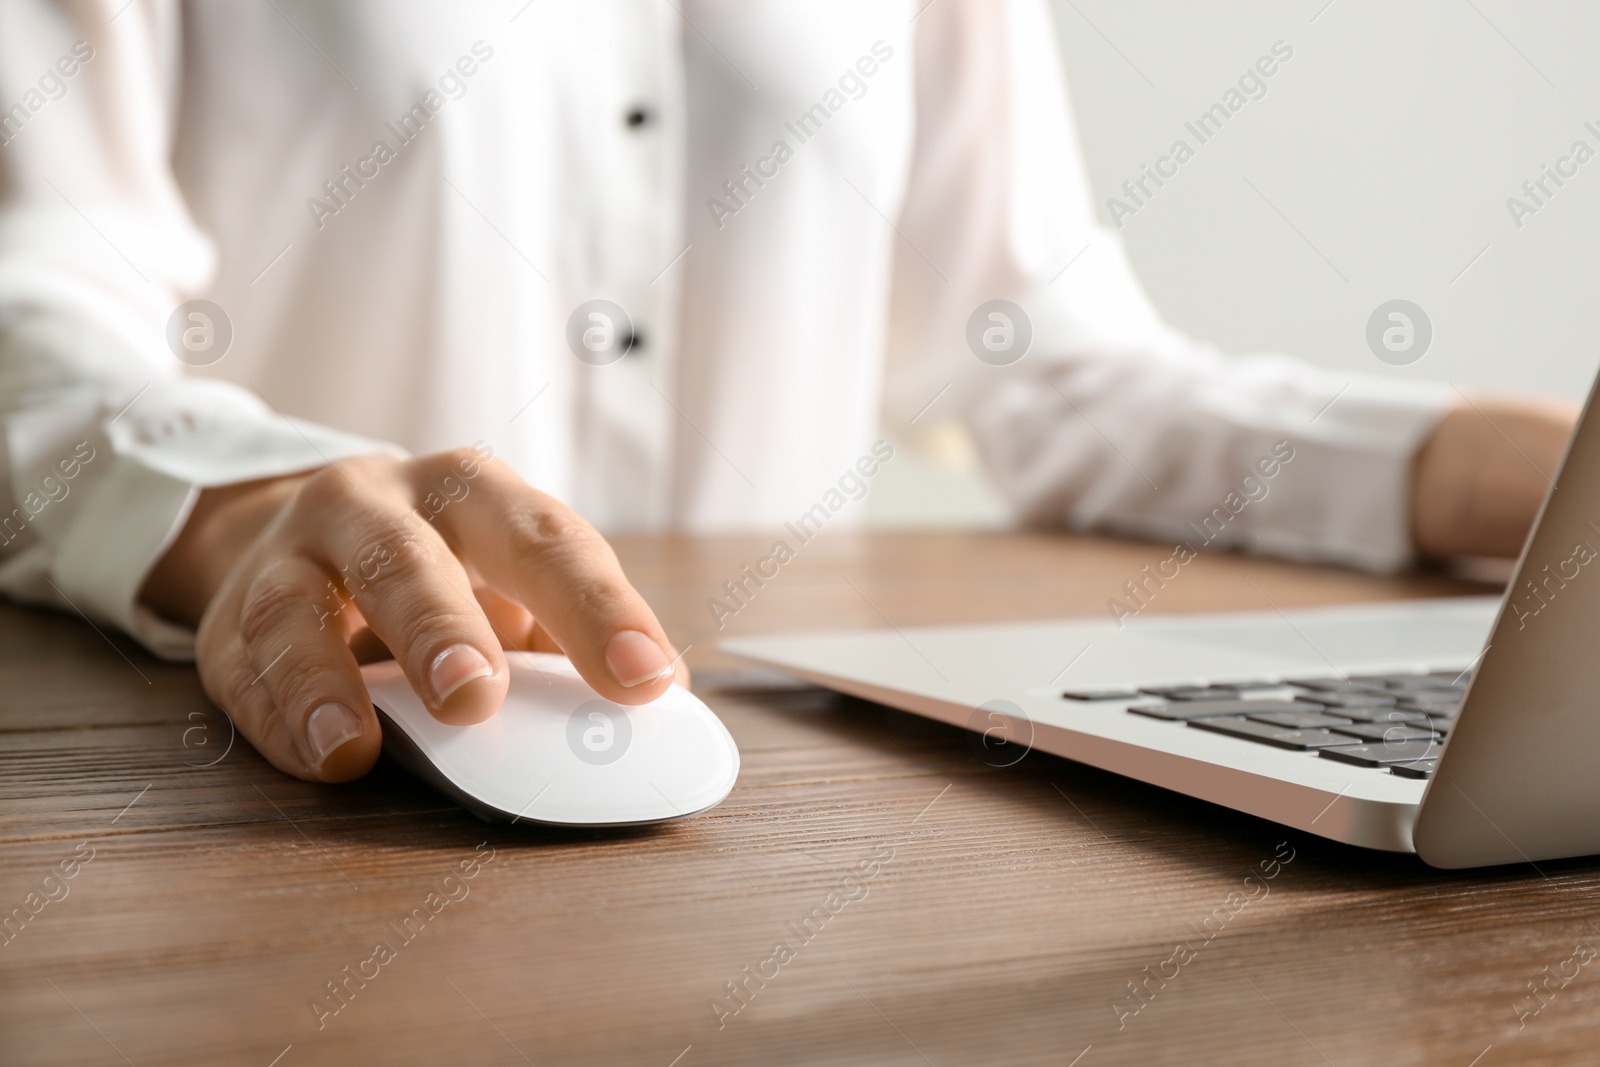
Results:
<point x="970" y="914"/>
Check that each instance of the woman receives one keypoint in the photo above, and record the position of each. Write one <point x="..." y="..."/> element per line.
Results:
<point x="669" y="264"/>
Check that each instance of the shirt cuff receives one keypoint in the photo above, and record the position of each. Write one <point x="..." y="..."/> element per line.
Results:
<point x="136" y="511"/>
<point x="1346" y="494"/>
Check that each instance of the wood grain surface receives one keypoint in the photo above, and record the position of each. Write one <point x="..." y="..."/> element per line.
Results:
<point x="933" y="910"/>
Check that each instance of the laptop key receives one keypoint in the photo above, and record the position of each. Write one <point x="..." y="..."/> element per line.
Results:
<point x="1193" y="692"/>
<point x="1099" y="694"/>
<point x="1438" y="708"/>
<point x="1387" y="732"/>
<point x="1387" y="715"/>
<point x="1336" y="685"/>
<point x="1299" y="720"/>
<point x="1353" y="700"/>
<point x="1202" y="709"/>
<point x="1382" y="755"/>
<point x="1430" y="685"/>
<point x="1423" y="768"/>
<point x="1245" y="729"/>
<point x="1399" y="680"/>
<point x="1433" y="696"/>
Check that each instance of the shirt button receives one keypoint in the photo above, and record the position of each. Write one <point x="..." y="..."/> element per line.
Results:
<point x="638" y="117"/>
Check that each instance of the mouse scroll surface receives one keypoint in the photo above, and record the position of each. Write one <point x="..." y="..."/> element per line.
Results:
<point x="557" y="752"/>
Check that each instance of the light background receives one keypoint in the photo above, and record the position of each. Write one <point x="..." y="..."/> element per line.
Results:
<point x="1391" y="142"/>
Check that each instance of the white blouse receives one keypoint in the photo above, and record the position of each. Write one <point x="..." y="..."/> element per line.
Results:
<point x="399" y="213"/>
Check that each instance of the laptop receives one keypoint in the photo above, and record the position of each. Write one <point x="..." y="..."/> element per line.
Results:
<point x="1466" y="730"/>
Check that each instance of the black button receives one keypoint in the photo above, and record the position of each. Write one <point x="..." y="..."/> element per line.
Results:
<point x="1193" y="692"/>
<point x="1383" y="755"/>
<point x="1352" y="700"/>
<point x="1201" y="709"/>
<point x="1336" y="685"/>
<point x="1304" y="740"/>
<point x="632" y="344"/>
<point x="637" y="117"/>
<point x="1388" y="716"/>
<point x="1387" y="732"/>
<point x="1299" y="720"/>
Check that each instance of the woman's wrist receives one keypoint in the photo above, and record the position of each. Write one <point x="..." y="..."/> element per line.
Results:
<point x="1479" y="479"/>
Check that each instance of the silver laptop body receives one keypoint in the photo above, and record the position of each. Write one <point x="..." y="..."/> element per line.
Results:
<point x="1508" y="734"/>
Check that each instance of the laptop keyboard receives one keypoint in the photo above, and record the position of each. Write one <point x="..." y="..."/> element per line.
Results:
<point x="1394" y="723"/>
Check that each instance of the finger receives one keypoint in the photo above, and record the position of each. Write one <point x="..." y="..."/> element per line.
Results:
<point x="411" y="590"/>
<point x="296" y="692"/>
<point x="539" y="641"/>
<point x="530" y="545"/>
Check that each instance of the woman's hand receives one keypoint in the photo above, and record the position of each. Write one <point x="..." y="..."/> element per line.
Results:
<point x="1481" y="476"/>
<point x="445" y="560"/>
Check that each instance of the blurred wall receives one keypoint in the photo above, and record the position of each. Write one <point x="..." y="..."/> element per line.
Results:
<point x="1377" y="166"/>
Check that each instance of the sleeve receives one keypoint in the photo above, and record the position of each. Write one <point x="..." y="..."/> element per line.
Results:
<point x="1111" y="420"/>
<point x="104" y="443"/>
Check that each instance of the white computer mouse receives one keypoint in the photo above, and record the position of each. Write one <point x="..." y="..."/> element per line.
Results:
<point x="557" y="752"/>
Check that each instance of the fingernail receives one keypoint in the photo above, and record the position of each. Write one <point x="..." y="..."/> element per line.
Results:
<point x="454" y="668"/>
<point x="635" y="659"/>
<point x="330" y="726"/>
